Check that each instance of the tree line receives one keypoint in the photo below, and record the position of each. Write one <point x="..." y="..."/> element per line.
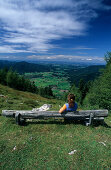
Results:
<point x="14" y="80"/>
<point x="95" y="94"/>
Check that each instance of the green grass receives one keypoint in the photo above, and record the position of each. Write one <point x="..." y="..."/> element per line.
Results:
<point x="46" y="144"/>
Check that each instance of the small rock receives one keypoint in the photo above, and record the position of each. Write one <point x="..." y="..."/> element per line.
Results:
<point x="103" y="143"/>
<point x="14" y="148"/>
<point x="72" y="152"/>
<point x="31" y="138"/>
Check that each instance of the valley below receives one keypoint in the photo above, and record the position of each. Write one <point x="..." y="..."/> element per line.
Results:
<point x="61" y="77"/>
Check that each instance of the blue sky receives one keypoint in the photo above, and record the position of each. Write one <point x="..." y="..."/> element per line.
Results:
<point x="65" y="30"/>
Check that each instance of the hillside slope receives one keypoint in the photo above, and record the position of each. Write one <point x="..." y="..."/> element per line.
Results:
<point x="49" y="144"/>
<point x="19" y="100"/>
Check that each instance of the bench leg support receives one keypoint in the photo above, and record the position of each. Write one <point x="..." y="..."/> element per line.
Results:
<point x="18" y="119"/>
<point x="90" y="120"/>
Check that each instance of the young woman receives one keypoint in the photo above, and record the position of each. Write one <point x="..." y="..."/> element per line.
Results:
<point x="70" y="106"/>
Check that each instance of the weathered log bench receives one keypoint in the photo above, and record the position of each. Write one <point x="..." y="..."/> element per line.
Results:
<point x="87" y="115"/>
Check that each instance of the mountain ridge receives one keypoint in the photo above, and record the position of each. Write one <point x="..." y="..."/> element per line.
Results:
<point x="23" y="66"/>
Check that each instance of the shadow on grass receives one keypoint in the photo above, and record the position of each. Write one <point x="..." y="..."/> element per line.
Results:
<point x="61" y="122"/>
<point x="55" y="122"/>
<point x="104" y="124"/>
<point x="64" y="122"/>
<point x="48" y="121"/>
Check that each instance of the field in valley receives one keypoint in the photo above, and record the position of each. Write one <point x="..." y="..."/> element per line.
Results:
<point x="61" y="77"/>
<point x="56" y="79"/>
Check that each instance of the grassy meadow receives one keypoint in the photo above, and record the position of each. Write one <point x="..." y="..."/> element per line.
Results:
<point x="47" y="144"/>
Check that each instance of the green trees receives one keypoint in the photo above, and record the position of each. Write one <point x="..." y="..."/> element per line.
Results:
<point x="108" y="58"/>
<point x="12" y="79"/>
<point x="81" y="91"/>
<point x="3" y="74"/>
<point x="16" y="81"/>
<point x="46" y="92"/>
<point x="75" y="91"/>
<point x="100" y="92"/>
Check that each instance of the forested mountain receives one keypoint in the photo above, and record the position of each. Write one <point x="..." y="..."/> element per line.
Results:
<point x="5" y="63"/>
<point x="23" y="67"/>
<point x="87" y="73"/>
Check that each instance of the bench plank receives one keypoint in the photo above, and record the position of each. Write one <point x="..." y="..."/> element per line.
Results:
<point x="37" y="114"/>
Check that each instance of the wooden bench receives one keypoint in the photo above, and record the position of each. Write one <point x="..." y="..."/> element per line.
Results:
<point x="87" y="115"/>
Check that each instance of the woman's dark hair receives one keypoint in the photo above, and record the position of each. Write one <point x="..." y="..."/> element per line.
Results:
<point x="71" y="100"/>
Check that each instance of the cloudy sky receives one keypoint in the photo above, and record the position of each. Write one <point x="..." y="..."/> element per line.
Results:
<point x="69" y="30"/>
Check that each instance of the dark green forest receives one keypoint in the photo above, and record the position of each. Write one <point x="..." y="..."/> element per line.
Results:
<point x="14" y="80"/>
<point x="87" y="73"/>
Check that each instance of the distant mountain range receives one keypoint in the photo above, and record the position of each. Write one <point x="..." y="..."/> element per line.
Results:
<point x="74" y="72"/>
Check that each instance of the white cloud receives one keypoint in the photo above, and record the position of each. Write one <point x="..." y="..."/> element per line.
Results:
<point x="67" y="57"/>
<point x="82" y="48"/>
<point x="34" y="24"/>
<point x="89" y="59"/>
<point x="12" y="49"/>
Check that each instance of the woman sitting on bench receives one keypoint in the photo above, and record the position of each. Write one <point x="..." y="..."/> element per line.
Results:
<point x="70" y="106"/>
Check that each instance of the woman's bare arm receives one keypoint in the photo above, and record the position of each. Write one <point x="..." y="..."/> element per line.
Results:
<point x="62" y="109"/>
